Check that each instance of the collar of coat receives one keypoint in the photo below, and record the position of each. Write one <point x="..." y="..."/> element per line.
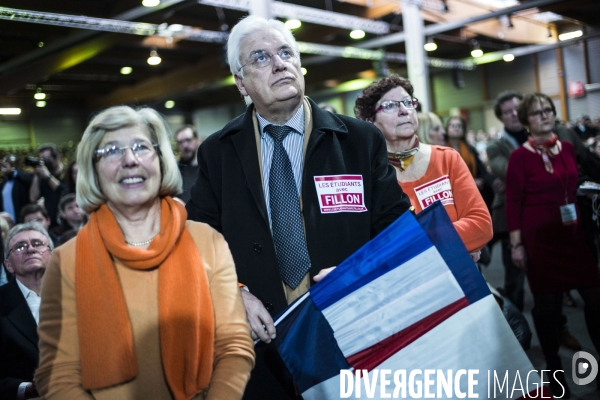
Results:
<point x="323" y="121"/>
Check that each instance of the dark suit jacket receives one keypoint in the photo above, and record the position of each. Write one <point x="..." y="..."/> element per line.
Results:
<point x="19" y="353"/>
<point x="20" y="192"/>
<point x="228" y="195"/>
<point x="498" y="154"/>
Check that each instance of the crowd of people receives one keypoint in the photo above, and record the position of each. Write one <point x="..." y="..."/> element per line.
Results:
<point x="130" y="274"/>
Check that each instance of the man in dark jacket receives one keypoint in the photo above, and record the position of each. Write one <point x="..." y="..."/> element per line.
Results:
<point x="15" y="186"/>
<point x="27" y="253"/>
<point x="339" y="189"/>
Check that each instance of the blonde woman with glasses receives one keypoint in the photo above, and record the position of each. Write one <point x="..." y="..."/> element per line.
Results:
<point x="142" y="304"/>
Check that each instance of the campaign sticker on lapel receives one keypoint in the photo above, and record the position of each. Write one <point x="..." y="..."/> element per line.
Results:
<point x="340" y="193"/>
<point x="437" y="189"/>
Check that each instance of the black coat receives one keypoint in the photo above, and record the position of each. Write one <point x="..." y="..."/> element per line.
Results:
<point x="20" y="192"/>
<point x="19" y="354"/>
<point x="228" y="195"/>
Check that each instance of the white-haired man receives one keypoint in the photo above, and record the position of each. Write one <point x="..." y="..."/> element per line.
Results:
<point x="294" y="189"/>
<point x="26" y="256"/>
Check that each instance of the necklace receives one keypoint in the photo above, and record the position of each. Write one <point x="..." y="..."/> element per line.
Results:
<point x="140" y="244"/>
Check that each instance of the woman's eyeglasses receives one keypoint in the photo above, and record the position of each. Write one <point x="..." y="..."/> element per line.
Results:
<point x="114" y="153"/>
<point x="392" y="106"/>
<point x="538" y="113"/>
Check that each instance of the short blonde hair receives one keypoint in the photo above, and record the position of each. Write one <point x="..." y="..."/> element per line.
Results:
<point x="427" y="120"/>
<point x="89" y="194"/>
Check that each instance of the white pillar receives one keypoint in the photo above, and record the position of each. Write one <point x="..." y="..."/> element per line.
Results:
<point x="418" y="70"/>
<point x="262" y="8"/>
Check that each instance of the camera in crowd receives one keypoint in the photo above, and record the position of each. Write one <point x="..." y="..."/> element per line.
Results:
<point x="35" y="161"/>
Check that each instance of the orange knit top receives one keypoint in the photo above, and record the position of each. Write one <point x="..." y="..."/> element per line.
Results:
<point x="449" y="180"/>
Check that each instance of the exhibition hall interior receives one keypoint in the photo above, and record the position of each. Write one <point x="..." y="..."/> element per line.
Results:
<point x="64" y="61"/>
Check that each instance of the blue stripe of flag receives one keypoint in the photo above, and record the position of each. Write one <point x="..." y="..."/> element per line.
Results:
<point x="439" y="228"/>
<point x="306" y="344"/>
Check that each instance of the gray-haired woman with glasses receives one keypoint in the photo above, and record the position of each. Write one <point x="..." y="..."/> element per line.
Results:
<point x="142" y="303"/>
<point x="425" y="172"/>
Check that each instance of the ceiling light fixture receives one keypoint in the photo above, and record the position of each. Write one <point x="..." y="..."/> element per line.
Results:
<point x="508" y="57"/>
<point x="150" y="3"/>
<point x="357" y="34"/>
<point x="10" y="111"/>
<point x="175" y="27"/>
<point x="154" y="58"/>
<point x="570" y="35"/>
<point x="126" y="70"/>
<point x="39" y="96"/>
<point x="304" y="71"/>
<point x="169" y="104"/>
<point x="476" y="52"/>
<point x="292" y="24"/>
<point x="40" y="104"/>
<point x="430" y="45"/>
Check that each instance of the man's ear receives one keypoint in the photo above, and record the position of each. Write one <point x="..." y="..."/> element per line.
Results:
<point x="9" y="268"/>
<point x="239" y="82"/>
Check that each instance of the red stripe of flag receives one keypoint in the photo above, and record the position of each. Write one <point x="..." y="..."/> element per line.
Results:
<point x="373" y="356"/>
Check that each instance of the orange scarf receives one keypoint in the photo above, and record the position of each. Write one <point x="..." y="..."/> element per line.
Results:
<point x="186" y="319"/>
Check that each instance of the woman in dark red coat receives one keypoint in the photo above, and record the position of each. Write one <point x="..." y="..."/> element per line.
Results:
<point x="545" y="230"/>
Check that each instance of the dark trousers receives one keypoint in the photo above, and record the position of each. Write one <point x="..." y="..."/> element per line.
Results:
<point x="514" y="278"/>
<point x="547" y="318"/>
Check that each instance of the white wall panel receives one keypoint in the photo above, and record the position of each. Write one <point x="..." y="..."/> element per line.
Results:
<point x="548" y="72"/>
<point x="516" y="75"/>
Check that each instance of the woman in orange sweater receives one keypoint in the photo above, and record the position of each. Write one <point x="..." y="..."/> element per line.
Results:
<point x="142" y="304"/>
<point x="426" y="173"/>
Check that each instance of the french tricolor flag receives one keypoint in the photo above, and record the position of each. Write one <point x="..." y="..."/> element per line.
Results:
<point x="409" y="300"/>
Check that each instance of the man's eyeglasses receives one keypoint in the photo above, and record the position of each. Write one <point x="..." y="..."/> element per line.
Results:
<point x="263" y="59"/>
<point x="392" y="106"/>
<point x="538" y="113"/>
<point x="22" y="247"/>
<point x="114" y="153"/>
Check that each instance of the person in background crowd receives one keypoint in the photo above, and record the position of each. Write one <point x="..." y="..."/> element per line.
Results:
<point x="26" y="255"/>
<point x="71" y="178"/>
<point x="431" y="130"/>
<point x="143" y="304"/>
<point x="70" y="215"/>
<point x="455" y="137"/>
<point x="511" y="137"/>
<point x="15" y="187"/>
<point x="5" y="276"/>
<point x="585" y="128"/>
<point x="389" y="104"/>
<point x="48" y="181"/>
<point x="595" y="146"/>
<point x="8" y="218"/>
<point x="187" y="144"/>
<point x="546" y="238"/>
<point x="257" y="183"/>
<point x="37" y="213"/>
